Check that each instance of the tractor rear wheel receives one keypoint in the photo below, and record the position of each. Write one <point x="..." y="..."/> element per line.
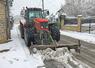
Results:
<point x="55" y="33"/>
<point x="27" y="39"/>
<point x="21" y="31"/>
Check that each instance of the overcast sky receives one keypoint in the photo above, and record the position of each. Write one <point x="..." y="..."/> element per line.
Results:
<point x="52" y="5"/>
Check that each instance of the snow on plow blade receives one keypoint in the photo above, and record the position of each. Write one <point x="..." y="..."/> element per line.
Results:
<point x="42" y="47"/>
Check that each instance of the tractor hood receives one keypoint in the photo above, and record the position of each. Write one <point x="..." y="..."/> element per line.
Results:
<point x="40" y="20"/>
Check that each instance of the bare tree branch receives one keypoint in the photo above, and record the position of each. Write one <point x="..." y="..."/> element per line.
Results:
<point x="79" y="7"/>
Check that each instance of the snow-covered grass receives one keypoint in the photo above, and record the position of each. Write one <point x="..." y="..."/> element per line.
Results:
<point x="90" y="38"/>
<point x="87" y="24"/>
<point x="18" y="55"/>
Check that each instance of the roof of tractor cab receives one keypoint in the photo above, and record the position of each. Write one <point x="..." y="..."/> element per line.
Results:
<point x="35" y="9"/>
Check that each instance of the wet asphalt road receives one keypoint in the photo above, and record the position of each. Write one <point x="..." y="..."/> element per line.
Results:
<point x="87" y="50"/>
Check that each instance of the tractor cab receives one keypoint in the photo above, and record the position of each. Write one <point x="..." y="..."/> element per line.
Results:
<point x="36" y="16"/>
<point x="36" y="28"/>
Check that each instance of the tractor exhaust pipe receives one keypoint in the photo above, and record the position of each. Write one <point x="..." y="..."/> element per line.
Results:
<point x="43" y="5"/>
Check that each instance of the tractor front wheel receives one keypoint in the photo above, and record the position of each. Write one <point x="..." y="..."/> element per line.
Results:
<point x="55" y="33"/>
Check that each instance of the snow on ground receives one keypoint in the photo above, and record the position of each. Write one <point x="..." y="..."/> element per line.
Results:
<point x="93" y="32"/>
<point x="87" y="24"/>
<point x="18" y="55"/>
<point x="90" y="38"/>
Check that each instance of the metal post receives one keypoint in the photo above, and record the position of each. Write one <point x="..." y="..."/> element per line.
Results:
<point x="89" y="26"/>
<point x="79" y="25"/>
<point x="79" y="22"/>
<point x="43" y="5"/>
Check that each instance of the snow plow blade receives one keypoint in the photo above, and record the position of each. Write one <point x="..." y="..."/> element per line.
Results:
<point x="42" y="47"/>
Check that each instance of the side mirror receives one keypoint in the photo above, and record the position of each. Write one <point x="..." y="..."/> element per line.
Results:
<point x="47" y="12"/>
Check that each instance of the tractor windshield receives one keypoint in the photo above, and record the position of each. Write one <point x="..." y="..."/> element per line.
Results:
<point x="35" y="14"/>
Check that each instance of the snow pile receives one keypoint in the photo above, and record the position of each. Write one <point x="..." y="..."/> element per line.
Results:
<point x="90" y="38"/>
<point x="51" y="54"/>
<point x="61" y="58"/>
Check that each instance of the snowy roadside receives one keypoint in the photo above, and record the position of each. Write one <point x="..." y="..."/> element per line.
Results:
<point x="18" y="54"/>
<point x="85" y="24"/>
<point x="90" y="38"/>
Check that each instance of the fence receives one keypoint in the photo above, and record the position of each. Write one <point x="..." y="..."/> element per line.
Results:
<point x="70" y="23"/>
<point x="88" y="24"/>
<point x="79" y="23"/>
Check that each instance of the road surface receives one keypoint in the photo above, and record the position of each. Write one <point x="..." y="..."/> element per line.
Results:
<point x="87" y="51"/>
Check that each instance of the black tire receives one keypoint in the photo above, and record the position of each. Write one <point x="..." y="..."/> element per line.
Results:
<point x="27" y="39"/>
<point x="22" y="31"/>
<point x="29" y="36"/>
<point x="28" y="42"/>
<point x="55" y="33"/>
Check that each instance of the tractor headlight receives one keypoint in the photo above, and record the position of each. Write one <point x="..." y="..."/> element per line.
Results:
<point x="44" y="25"/>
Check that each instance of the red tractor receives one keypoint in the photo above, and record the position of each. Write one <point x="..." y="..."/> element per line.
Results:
<point x="36" y="29"/>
